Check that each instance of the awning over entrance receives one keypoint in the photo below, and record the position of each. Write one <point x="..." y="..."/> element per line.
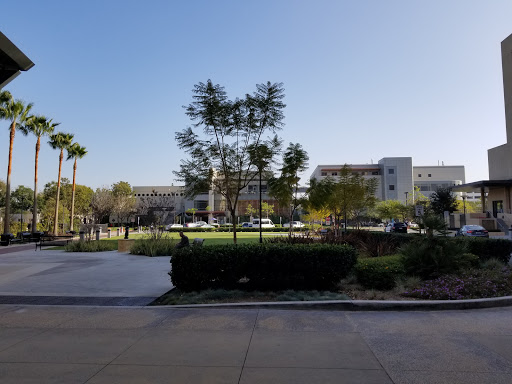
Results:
<point x="484" y="186"/>
<point x="12" y="61"/>
<point x="477" y="186"/>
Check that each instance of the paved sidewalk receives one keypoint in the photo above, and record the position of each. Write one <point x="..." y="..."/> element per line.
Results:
<point x="105" y="344"/>
<point x="162" y="345"/>
<point x="48" y="273"/>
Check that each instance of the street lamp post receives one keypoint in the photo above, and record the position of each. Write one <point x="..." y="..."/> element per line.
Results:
<point x="464" y="204"/>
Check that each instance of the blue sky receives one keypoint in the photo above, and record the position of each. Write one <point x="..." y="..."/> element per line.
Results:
<point x="363" y="79"/>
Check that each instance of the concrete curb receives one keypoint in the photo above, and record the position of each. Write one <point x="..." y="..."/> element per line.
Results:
<point x="358" y="305"/>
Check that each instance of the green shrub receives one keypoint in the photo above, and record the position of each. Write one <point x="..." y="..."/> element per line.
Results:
<point x="152" y="247"/>
<point x="492" y="264"/>
<point x="431" y="257"/>
<point x="379" y="272"/>
<point x="90" y="246"/>
<point x="487" y="249"/>
<point x="261" y="266"/>
<point x="375" y="244"/>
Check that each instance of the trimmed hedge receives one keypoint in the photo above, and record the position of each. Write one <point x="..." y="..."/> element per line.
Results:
<point x="487" y="249"/>
<point x="379" y="272"/>
<point x="261" y="266"/>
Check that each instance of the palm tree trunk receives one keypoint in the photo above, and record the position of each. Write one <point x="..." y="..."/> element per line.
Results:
<point x="56" y="221"/>
<point x="73" y="199"/>
<point x="7" y="220"/>
<point x="34" y="211"/>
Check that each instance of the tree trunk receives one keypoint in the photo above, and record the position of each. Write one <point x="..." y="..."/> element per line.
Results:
<point x="233" y="221"/>
<point x="34" y="210"/>
<point x="56" y="221"/>
<point x="73" y="199"/>
<point x="261" y="215"/>
<point x="7" y="220"/>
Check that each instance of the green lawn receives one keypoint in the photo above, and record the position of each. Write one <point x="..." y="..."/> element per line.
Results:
<point x="211" y="238"/>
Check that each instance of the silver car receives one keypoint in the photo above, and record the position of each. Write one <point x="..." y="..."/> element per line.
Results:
<point x="473" y="230"/>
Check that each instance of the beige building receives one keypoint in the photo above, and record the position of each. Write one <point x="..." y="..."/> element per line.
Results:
<point x="496" y="192"/>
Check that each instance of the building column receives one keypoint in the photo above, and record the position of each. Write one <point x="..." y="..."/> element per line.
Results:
<point x="482" y="197"/>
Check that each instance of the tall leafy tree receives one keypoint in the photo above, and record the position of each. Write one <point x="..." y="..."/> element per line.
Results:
<point x="344" y="196"/>
<point x="39" y="126"/>
<point x="261" y="155"/>
<point x="17" y="113"/>
<point x="219" y="156"/>
<point x="443" y="200"/>
<point x="124" y="200"/>
<point x="22" y="199"/>
<point x="75" y="151"/>
<point x="60" y="141"/>
<point x="102" y="204"/>
<point x="391" y="209"/>
<point x="285" y="187"/>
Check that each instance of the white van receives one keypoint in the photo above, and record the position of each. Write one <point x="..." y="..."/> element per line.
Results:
<point x="265" y="223"/>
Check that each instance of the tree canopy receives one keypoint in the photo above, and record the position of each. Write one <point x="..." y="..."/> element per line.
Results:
<point x="223" y="132"/>
<point x="345" y="196"/>
<point x="443" y="200"/>
<point x="285" y="187"/>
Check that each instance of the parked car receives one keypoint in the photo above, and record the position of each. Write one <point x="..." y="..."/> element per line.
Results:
<point x="207" y="226"/>
<point x="473" y="231"/>
<point x="294" y="224"/>
<point x="265" y="223"/>
<point x="396" y="227"/>
<point x="169" y="226"/>
<point x="413" y="225"/>
<point x="246" y="225"/>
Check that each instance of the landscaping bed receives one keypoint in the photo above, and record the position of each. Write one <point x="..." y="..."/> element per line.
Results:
<point x="358" y="266"/>
<point x="218" y="296"/>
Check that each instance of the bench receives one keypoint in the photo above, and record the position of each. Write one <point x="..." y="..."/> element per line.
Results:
<point x="198" y="242"/>
<point x="6" y="239"/>
<point x="53" y="241"/>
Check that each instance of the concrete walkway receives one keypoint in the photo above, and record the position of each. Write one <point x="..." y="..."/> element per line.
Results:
<point x="161" y="345"/>
<point x="92" y="344"/>
<point x="27" y="272"/>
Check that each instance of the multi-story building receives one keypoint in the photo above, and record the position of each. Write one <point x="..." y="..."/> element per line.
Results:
<point x="168" y="204"/>
<point x="496" y="193"/>
<point x="397" y="176"/>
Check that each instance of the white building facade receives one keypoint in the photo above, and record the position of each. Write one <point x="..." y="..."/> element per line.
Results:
<point x="397" y="176"/>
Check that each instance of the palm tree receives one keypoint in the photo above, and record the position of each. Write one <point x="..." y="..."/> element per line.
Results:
<point x="16" y="112"/>
<point x="75" y="151"/>
<point x="39" y="126"/>
<point x="60" y="141"/>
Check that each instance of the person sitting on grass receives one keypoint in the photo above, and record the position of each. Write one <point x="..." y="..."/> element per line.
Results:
<point x="183" y="242"/>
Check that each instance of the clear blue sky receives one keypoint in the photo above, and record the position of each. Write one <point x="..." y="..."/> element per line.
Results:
<point x="363" y="79"/>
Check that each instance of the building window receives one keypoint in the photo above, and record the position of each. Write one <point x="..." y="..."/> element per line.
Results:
<point x="429" y="175"/>
<point x="334" y="174"/>
<point x="375" y="173"/>
<point x="391" y="187"/>
<point x="200" y="205"/>
<point x="391" y="171"/>
<point x="419" y="174"/>
<point x="323" y="174"/>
